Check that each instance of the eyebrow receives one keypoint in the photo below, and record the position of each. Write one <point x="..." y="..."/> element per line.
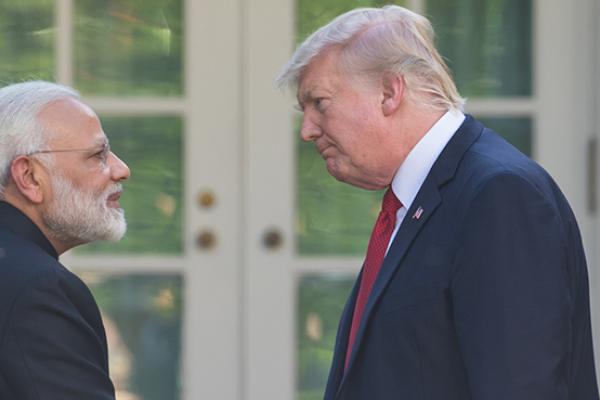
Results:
<point x="101" y="144"/>
<point x="309" y="95"/>
<point x="304" y="96"/>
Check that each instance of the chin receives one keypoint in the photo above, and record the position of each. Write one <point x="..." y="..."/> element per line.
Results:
<point x="333" y="169"/>
<point x="360" y="183"/>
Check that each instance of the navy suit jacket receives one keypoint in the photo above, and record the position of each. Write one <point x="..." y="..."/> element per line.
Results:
<point x="483" y="297"/>
<point x="52" y="341"/>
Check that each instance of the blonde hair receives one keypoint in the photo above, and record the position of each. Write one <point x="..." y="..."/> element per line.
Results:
<point x="374" y="41"/>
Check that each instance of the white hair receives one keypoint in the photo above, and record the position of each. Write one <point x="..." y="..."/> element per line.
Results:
<point x="76" y="216"/>
<point x="374" y="41"/>
<point x="20" y="130"/>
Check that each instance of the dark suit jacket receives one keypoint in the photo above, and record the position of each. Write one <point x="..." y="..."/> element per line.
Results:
<point x="52" y="341"/>
<point x="483" y="297"/>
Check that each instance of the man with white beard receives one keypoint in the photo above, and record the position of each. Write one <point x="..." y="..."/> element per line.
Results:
<point x="59" y="187"/>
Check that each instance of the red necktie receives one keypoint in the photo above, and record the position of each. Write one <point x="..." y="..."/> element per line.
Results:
<point x="380" y="237"/>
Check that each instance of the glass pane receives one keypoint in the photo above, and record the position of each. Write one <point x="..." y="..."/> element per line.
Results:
<point x="152" y="197"/>
<point x="142" y="316"/>
<point x="312" y="14"/>
<point x="332" y="217"/>
<point x="321" y="299"/>
<point x="326" y="220"/>
<point x="487" y="44"/>
<point x="26" y="40"/>
<point x="517" y="131"/>
<point x="128" y="47"/>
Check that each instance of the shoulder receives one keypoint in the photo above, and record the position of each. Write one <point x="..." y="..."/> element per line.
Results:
<point x="492" y="164"/>
<point x="22" y="263"/>
<point x="493" y="179"/>
<point x="52" y="339"/>
<point x="30" y="278"/>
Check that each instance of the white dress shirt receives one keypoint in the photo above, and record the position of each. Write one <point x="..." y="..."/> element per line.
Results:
<point x="412" y="173"/>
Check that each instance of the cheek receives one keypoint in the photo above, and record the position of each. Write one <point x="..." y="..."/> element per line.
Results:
<point x="351" y="124"/>
<point x="96" y="184"/>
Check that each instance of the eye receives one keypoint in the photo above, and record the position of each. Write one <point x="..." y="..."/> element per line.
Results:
<point x="319" y="103"/>
<point x="299" y="108"/>
<point x="102" y="155"/>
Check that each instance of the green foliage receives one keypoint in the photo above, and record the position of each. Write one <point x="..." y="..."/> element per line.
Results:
<point x="26" y="40"/>
<point x="129" y="47"/>
<point x="312" y="14"/>
<point x="487" y="44"/>
<point x="321" y="299"/>
<point x="152" y="198"/>
<point x="327" y="221"/>
<point x="147" y="312"/>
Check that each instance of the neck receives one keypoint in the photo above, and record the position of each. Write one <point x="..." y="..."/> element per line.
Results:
<point x="34" y="213"/>
<point x="409" y="126"/>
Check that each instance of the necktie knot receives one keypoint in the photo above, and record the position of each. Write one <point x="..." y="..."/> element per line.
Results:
<point x="390" y="203"/>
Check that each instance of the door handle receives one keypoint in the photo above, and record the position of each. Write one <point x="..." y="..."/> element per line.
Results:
<point x="272" y="239"/>
<point x="206" y="239"/>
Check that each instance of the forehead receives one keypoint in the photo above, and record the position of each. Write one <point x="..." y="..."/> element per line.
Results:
<point x="323" y="72"/>
<point x="70" y="122"/>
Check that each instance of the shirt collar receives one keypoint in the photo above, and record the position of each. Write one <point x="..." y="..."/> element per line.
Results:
<point x="18" y="223"/>
<point x="415" y="168"/>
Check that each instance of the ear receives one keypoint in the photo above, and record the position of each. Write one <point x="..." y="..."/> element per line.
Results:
<point x="26" y="176"/>
<point x="393" y="93"/>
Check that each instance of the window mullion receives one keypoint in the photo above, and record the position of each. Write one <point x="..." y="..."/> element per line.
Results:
<point x="417" y="6"/>
<point x="64" y="41"/>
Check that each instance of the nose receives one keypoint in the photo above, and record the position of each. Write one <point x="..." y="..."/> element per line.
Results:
<point x="118" y="169"/>
<point x="310" y="130"/>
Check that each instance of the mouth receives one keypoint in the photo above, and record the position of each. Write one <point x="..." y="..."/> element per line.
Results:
<point x="113" y="199"/>
<point x="323" y="150"/>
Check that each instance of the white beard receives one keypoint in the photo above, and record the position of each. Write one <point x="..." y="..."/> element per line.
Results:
<point x="75" y="217"/>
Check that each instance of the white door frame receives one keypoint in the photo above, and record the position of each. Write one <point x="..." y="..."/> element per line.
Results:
<point x="210" y="108"/>
<point x="567" y="95"/>
<point x="269" y="198"/>
<point x="591" y="87"/>
<point x="213" y="335"/>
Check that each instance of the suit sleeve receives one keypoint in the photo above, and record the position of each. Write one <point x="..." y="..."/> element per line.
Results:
<point x="59" y="343"/>
<point x="511" y="294"/>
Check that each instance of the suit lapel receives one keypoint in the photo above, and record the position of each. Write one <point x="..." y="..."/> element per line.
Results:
<point x="427" y="200"/>
<point x="423" y="207"/>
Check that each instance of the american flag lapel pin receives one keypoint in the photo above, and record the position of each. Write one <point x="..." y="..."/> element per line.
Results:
<point x="418" y="213"/>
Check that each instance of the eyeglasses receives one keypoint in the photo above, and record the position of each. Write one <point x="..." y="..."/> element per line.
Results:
<point x="100" y="153"/>
<point x="105" y="148"/>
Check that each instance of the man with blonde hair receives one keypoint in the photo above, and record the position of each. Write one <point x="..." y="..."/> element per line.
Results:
<point x="474" y="284"/>
<point x="59" y="187"/>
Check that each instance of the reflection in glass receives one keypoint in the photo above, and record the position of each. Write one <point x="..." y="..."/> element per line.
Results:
<point x="312" y="14"/>
<point x="517" y="131"/>
<point x="487" y="44"/>
<point x="321" y="299"/>
<point x="332" y="217"/>
<point x="128" y="47"/>
<point x="152" y="197"/>
<point x="142" y="316"/>
<point x="26" y="40"/>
